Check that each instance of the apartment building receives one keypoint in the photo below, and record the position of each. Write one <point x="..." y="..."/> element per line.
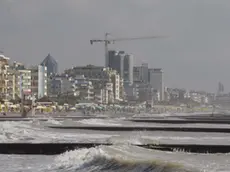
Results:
<point x="39" y="81"/>
<point x="4" y="64"/>
<point x="100" y="76"/>
<point x="23" y="79"/>
<point x="12" y="85"/>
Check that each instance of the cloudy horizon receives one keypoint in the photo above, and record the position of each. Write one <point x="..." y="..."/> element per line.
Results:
<point x="194" y="56"/>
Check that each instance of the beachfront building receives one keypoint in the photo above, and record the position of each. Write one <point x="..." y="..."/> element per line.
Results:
<point x="4" y="64"/>
<point x="12" y="85"/>
<point x="77" y="86"/>
<point x="83" y="89"/>
<point x="59" y="84"/>
<point x="18" y="74"/>
<point x="39" y="81"/>
<point x="100" y="77"/>
<point x="6" y="86"/>
<point x="23" y="82"/>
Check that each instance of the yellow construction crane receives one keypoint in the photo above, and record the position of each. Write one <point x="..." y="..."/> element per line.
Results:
<point x="107" y="41"/>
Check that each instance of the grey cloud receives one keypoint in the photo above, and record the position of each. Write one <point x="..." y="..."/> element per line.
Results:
<point x="196" y="55"/>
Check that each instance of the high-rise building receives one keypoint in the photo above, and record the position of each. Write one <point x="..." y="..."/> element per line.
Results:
<point x="145" y="72"/>
<point x="116" y="61"/>
<point x="51" y="64"/>
<point x="156" y="81"/>
<point x="220" y="88"/>
<point x="128" y="69"/>
<point x="122" y="63"/>
<point x="39" y="80"/>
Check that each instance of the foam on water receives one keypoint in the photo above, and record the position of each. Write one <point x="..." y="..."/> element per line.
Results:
<point x="35" y="132"/>
<point x="105" y="122"/>
<point x="134" y="138"/>
<point x="53" y="121"/>
<point x="114" y="159"/>
<point x="74" y="159"/>
<point x="152" y="115"/>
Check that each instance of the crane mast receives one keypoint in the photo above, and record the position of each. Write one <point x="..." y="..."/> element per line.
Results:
<point x="106" y="49"/>
<point x="107" y="41"/>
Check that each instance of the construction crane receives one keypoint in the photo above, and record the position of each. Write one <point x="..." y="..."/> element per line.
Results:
<point x="107" y="41"/>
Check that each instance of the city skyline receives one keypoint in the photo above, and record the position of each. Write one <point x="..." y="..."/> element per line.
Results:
<point x="197" y="44"/>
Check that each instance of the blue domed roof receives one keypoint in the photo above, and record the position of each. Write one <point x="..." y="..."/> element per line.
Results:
<point x="49" y="59"/>
<point x="51" y="64"/>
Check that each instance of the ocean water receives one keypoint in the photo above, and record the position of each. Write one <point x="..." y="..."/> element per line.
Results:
<point x="116" y="159"/>
<point x="121" y="157"/>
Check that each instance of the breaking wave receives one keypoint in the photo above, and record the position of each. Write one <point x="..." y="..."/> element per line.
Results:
<point x="35" y="132"/>
<point x="100" y="160"/>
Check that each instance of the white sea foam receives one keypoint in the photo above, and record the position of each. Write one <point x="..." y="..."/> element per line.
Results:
<point x="105" y="122"/>
<point x="36" y="133"/>
<point x="76" y="158"/>
<point x="53" y="121"/>
<point x="114" y="158"/>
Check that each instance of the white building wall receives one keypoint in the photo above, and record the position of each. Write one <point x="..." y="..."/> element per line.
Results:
<point x="24" y="82"/>
<point x="117" y="87"/>
<point x="42" y="81"/>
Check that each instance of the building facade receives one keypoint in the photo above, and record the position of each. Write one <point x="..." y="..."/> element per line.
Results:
<point x="4" y="63"/>
<point x="6" y="80"/>
<point x="24" y="82"/>
<point x="100" y="77"/>
<point x="59" y="85"/>
<point x="12" y="85"/>
<point x="141" y="73"/>
<point x="39" y="81"/>
<point x="128" y="69"/>
<point x="156" y="81"/>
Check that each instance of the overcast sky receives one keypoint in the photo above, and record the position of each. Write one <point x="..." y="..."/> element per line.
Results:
<point x="196" y="55"/>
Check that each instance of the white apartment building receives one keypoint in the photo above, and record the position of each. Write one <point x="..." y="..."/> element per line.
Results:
<point x="83" y="89"/>
<point x="12" y="85"/>
<point x="39" y="81"/>
<point x="116" y="81"/>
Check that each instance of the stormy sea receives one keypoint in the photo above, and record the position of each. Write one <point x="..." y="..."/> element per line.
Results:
<point x="122" y="156"/>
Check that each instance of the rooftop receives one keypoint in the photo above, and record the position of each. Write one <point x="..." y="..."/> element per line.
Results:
<point x="49" y="60"/>
<point x="4" y="57"/>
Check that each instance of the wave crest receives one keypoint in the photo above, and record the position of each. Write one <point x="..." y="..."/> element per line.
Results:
<point x="98" y="160"/>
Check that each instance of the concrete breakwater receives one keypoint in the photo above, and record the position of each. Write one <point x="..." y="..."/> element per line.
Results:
<point x="58" y="148"/>
<point x="143" y="128"/>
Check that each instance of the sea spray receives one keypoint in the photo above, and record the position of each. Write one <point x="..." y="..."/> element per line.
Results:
<point x="111" y="159"/>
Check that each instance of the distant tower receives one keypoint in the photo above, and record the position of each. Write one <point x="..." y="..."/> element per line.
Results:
<point x="220" y="88"/>
<point x="128" y="68"/>
<point x="156" y="81"/>
<point x="51" y="64"/>
<point x="122" y="63"/>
